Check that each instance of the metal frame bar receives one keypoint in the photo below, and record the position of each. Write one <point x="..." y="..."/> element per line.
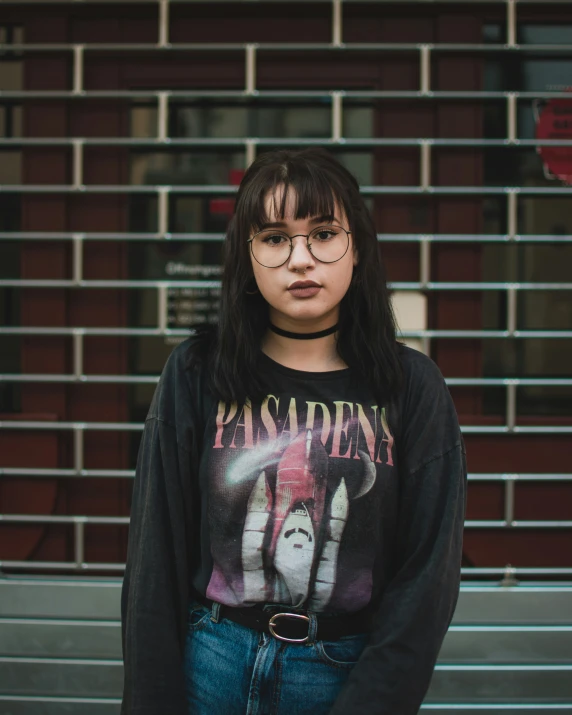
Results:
<point x="202" y="189"/>
<point x="337" y="117"/>
<point x="162" y="117"/>
<point x="72" y="473"/>
<point x="425" y="67"/>
<point x="78" y="442"/>
<point x="163" y="210"/>
<point x="522" y="477"/>
<point x="78" y="60"/>
<point x="163" y="40"/>
<point x="503" y="429"/>
<point x="242" y="143"/>
<point x="511" y="308"/>
<point x="279" y="94"/>
<point x="96" y="567"/>
<point x="510" y="288"/>
<point x="56" y="519"/>
<point x="335" y="46"/>
<point x="337" y="24"/>
<point x="250" y="69"/>
<point x="424" y="263"/>
<point x="130" y="473"/>
<point x="162" y="306"/>
<point x="511" y="113"/>
<point x="524" y="571"/>
<point x="511" y="24"/>
<point x="467" y="572"/>
<point x="79" y="376"/>
<point x="425" y="166"/>
<point x="60" y="566"/>
<point x="509" y="484"/>
<point x="512" y="214"/>
<point x="73" y="426"/>
<point x="184" y="333"/>
<point x="388" y="237"/>
<point x="26" y="425"/>
<point x="78" y="345"/>
<point x="510" y="414"/>
<point x="77" y="171"/>
<point x="77" y="520"/>
<point x="77" y="262"/>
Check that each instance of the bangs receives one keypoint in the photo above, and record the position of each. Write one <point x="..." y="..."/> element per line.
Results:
<point x="308" y="190"/>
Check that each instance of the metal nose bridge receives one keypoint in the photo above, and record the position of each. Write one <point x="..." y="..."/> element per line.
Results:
<point x="308" y="244"/>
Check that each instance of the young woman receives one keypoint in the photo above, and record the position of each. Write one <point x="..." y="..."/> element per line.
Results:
<point x="298" y="507"/>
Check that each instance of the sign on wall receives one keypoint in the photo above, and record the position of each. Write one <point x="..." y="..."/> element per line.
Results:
<point x="554" y="121"/>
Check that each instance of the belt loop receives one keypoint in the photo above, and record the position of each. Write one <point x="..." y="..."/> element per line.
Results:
<point x="312" y="629"/>
<point x="215" y="612"/>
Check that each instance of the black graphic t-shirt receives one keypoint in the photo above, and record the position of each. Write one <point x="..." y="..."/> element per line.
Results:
<point x="314" y="497"/>
<point x="296" y="490"/>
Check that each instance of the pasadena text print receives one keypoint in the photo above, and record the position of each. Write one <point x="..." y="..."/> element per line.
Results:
<point x="293" y="501"/>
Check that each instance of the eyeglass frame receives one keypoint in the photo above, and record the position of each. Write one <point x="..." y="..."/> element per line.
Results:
<point x="308" y="244"/>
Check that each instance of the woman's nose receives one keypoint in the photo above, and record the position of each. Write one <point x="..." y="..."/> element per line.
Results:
<point x="300" y="256"/>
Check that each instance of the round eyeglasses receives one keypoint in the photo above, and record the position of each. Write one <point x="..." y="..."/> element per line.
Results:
<point x="272" y="248"/>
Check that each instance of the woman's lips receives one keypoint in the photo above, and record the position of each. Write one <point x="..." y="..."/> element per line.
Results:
<point x="305" y="292"/>
<point x="304" y="289"/>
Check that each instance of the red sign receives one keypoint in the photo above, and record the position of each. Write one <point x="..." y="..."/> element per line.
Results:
<point x="554" y="121"/>
<point x="226" y="206"/>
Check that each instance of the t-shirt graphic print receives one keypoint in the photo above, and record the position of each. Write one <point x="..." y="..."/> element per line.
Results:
<point x="293" y="500"/>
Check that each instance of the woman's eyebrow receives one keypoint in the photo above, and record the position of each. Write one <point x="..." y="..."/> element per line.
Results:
<point x="325" y="219"/>
<point x="276" y="224"/>
<point x="316" y="219"/>
<point x="321" y="219"/>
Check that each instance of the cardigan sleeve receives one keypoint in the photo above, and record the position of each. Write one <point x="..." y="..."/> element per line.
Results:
<point x="155" y="588"/>
<point x="417" y="605"/>
<point x="394" y="671"/>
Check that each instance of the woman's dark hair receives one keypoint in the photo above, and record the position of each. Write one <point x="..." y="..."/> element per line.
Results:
<point x="366" y="337"/>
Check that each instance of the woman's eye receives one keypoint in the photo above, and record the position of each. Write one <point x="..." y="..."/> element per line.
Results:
<point x="274" y="240"/>
<point x="324" y="235"/>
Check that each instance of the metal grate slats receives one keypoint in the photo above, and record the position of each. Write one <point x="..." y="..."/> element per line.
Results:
<point x="252" y="55"/>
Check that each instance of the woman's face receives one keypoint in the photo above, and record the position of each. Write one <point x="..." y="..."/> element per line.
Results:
<point x="316" y="307"/>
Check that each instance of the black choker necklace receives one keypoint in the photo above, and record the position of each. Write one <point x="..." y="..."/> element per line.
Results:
<point x="304" y="336"/>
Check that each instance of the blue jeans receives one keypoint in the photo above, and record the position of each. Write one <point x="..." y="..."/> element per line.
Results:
<point x="233" y="670"/>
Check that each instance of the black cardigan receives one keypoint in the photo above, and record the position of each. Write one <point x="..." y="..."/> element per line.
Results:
<point x="414" y="612"/>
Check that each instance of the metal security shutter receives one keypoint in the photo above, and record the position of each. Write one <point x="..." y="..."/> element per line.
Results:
<point x="120" y="164"/>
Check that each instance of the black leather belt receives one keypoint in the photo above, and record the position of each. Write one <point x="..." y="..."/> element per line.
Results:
<point x="292" y="626"/>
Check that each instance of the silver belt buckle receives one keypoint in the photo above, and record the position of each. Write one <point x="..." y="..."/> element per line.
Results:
<point x="299" y="616"/>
